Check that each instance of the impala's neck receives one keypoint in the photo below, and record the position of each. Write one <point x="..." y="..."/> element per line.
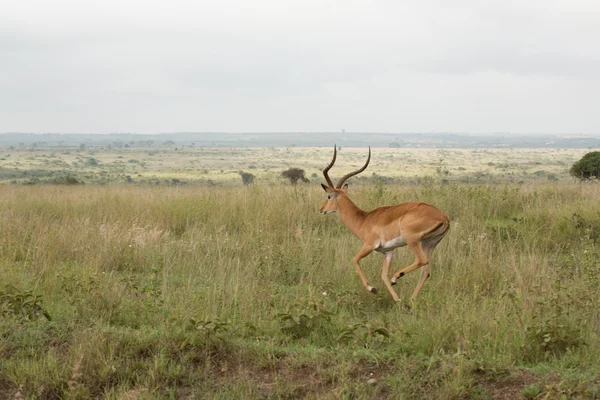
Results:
<point x="351" y="215"/>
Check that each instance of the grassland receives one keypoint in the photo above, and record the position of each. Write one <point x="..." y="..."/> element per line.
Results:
<point x="133" y="291"/>
<point x="221" y="166"/>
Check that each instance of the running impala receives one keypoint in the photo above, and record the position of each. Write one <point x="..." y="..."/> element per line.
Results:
<point x="419" y="226"/>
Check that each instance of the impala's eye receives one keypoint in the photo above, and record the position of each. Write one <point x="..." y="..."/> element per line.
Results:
<point x="328" y="197"/>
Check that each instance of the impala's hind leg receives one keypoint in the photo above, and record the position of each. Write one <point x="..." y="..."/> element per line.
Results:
<point x="424" y="276"/>
<point x="420" y="260"/>
<point x="428" y="245"/>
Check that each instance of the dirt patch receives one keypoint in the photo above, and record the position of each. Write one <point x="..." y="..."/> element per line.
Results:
<point x="511" y="386"/>
<point x="6" y="391"/>
<point x="366" y="370"/>
<point x="300" y="379"/>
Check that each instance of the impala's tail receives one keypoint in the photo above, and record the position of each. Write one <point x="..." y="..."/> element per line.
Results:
<point x="438" y="232"/>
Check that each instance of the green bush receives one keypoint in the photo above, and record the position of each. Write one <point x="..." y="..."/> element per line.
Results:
<point x="21" y="303"/>
<point x="588" y="167"/>
<point x="66" y="180"/>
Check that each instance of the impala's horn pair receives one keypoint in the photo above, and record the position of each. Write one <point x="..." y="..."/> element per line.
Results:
<point x="345" y="177"/>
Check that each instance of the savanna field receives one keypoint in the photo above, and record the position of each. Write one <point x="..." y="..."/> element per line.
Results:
<point x="143" y="291"/>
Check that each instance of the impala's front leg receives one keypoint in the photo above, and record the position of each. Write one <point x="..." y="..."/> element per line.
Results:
<point x="365" y="251"/>
<point x="385" y="275"/>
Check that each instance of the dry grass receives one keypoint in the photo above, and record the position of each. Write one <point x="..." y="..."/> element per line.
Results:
<point x="182" y="292"/>
<point x="220" y="166"/>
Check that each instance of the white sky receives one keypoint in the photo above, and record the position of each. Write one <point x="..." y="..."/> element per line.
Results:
<point x="309" y="65"/>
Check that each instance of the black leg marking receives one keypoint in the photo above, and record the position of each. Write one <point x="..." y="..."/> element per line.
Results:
<point x="373" y="290"/>
<point x="401" y="274"/>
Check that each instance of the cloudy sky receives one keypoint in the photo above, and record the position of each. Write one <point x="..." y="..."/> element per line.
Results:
<point x="309" y="65"/>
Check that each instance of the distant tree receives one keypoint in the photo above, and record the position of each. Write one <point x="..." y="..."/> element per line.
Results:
<point x="588" y="167"/>
<point x="91" y="162"/>
<point x="294" y="175"/>
<point x="168" y="143"/>
<point x="247" y="178"/>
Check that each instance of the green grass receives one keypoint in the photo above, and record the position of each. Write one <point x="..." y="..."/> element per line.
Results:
<point x="127" y="292"/>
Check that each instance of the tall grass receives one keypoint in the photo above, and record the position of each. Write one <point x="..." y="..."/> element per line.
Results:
<point x="132" y="292"/>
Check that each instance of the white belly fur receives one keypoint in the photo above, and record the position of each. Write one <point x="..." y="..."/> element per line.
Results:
<point x="391" y="244"/>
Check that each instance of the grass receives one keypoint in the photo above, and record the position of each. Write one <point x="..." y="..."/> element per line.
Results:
<point x="130" y="292"/>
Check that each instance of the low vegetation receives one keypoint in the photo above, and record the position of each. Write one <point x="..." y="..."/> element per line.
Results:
<point x="139" y="291"/>
<point x="221" y="166"/>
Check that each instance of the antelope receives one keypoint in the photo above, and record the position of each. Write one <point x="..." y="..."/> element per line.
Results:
<point x="419" y="226"/>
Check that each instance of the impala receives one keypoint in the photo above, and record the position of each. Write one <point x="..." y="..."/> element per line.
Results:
<point x="419" y="226"/>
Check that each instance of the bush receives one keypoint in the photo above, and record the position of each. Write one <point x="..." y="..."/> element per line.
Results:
<point x="294" y="175"/>
<point x="66" y="180"/>
<point x="21" y="304"/>
<point x="588" y="167"/>
<point x="91" y="162"/>
<point x="247" y="178"/>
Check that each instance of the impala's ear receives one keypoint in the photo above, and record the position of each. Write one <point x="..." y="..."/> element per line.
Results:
<point x="324" y="187"/>
<point x="345" y="188"/>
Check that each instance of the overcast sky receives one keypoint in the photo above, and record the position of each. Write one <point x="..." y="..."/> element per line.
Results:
<point x="309" y="65"/>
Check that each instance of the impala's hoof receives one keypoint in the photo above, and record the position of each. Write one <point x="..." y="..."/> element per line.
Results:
<point x="372" y="289"/>
<point x="393" y="282"/>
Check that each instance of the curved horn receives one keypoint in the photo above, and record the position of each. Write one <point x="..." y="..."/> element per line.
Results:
<point x="358" y="171"/>
<point x="327" y="168"/>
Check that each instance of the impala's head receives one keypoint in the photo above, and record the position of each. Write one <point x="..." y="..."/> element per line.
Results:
<point x="335" y="193"/>
<point x="333" y="196"/>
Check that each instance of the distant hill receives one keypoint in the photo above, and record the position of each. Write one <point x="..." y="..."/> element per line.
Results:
<point x="300" y="139"/>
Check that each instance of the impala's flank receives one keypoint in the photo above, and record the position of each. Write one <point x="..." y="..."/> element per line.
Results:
<point x="419" y="226"/>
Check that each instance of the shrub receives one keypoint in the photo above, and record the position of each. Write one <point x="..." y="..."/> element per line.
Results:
<point x="206" y="333"/>
<point x="551" y="333"/>
<point x="66" y="180"/>
<point x="21" y="303"/>
<point x="294" y="175"/>
<point x="91" y="162"/>
<point x="302" y="319"/>
<point x="588" y="167"/>
<point x="247" y="178"/>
